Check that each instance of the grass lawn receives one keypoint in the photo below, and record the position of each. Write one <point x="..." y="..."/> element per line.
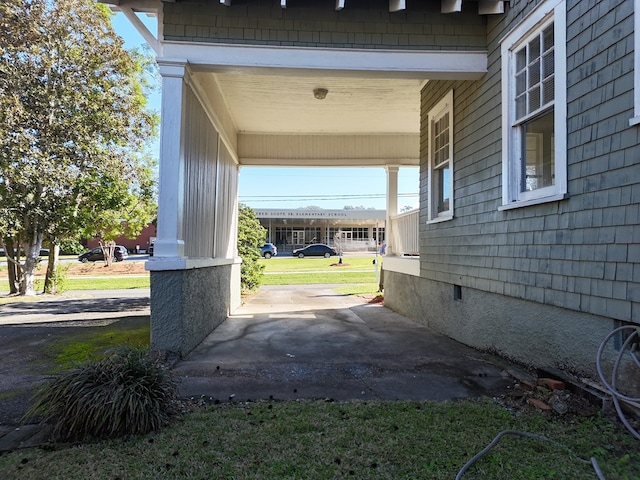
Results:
<point x="360" y="440"/>
<point x="107" y="282"/>
<point x="304" y="271"/>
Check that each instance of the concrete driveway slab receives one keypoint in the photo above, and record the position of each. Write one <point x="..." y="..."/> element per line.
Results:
<point x="309" y="342"/>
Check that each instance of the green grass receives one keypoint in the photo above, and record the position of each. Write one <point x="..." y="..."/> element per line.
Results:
<point x="84" y="346"/>
<point x="318" y="270"/>
<point x="107" y="282"/>
<point x="286" y="265"/>
<point x="322" y="440"/>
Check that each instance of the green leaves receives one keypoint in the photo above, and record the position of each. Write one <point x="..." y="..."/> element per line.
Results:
<point x="73" y="124"/>
<point x="251" y="236"/>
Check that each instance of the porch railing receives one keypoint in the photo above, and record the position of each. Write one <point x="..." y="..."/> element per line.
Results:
<point x="404" y="230"/>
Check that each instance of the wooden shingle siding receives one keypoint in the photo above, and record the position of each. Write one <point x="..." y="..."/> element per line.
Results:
<point x="364" y="24"/>
<point x="581" y="253"/>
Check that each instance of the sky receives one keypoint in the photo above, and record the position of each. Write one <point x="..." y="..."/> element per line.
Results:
<point x="280" y="187"/>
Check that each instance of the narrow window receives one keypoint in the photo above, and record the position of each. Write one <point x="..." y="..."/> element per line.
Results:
<point x="440" y="120"/>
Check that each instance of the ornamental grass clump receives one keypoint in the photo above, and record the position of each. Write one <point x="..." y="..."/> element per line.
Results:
<point x="124" y="393"/>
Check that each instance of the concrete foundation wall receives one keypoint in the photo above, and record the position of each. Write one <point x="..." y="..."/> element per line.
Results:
<point x="527" y="332"/>
<point x="186" y="305"/>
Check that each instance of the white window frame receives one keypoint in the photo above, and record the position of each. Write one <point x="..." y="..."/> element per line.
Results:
<point x="512" y="197"/>
<point x="636" y="65"/>
<point x="444" y="106"/>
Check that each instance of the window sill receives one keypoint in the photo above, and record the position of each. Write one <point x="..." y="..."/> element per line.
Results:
<point x="534" y="201"/>
<point x="634" y="121"/>
<point x="440" y="219"/>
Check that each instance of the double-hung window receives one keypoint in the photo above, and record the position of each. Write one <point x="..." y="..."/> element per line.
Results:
<point x="440" y="121"/>
<point x="534" y="108"/>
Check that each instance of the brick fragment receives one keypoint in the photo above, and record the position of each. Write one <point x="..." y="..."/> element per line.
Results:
<point x="551" y="383"/>
<point x="538" y="403"/>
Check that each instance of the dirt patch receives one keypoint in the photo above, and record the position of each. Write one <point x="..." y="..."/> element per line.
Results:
<point x="100" y="268"/>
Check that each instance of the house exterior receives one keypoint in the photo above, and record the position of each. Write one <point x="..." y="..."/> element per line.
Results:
<point x="532" y="250"/>
<point x="523" y="116"/>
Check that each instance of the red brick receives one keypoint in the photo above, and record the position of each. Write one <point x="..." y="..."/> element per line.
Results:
<point x="551" y="383"/>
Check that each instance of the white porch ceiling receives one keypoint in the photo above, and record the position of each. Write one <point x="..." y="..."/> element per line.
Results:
<point x="285" y="104"/>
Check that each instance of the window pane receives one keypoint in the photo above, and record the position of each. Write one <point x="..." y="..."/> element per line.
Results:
<point x="521" y="106"/>
<point x="443" y="193"/>
<point x="538" y="155"/>
<point x="547" y="87"/>
<point x="521" y="59"/>
<point x="534" y="49"/>
<point x="534" y="99"/>
<point x="521" y="82"/>
<point x="534" y="73"/>
<point x="547" y="65"/>
<point x="547" y="38"/>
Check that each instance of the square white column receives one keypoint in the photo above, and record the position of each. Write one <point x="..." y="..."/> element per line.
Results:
<point x="169" y="242"/>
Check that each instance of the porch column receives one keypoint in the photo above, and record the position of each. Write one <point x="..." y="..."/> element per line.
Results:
<point x="170" y="237"/>
<point x="392" y="204"/>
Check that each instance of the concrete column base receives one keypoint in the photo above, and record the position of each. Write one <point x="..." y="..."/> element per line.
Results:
<point x="186" y="305"/>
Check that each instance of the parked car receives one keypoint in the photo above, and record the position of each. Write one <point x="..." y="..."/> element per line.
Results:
<point x="268" y="250"/>
<point x="315" y="250"/>
<point x="96" y="255"/>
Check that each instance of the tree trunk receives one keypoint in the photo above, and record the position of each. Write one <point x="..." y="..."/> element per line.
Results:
<point x="32" y="257"/>
<point x="13" y="267"/>
<point x="49" y="284"/>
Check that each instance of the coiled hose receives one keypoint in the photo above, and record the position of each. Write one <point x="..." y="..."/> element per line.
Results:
<point x="630" y="345"/>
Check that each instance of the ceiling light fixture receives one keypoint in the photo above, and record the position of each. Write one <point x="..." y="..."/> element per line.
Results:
<point x="320" y="93"/>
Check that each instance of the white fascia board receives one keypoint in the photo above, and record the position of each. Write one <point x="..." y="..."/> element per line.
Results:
<point x="432" y="64"/>
<point x="147" y="6"/>
<point x="486" y="7"/>
<point x="450" y="6"/>
<point x="397" y="5"/>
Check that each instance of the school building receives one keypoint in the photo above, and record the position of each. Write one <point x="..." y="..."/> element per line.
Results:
<point x="352" y="230"/>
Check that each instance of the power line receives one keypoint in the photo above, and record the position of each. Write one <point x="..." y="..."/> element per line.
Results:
<point x="320" y="197"/>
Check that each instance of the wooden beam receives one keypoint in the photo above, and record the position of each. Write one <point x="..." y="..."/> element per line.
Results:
<point x="487" y="7"/>
<point x="397" y="5"/>
<point x="141" y="28"/>
<point x="451" y="6"/>
<point x="340" y="4"/>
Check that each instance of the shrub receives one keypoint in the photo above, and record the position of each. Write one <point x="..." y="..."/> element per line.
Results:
<point x="124" y="393"/>
<point x="251" y="236"/>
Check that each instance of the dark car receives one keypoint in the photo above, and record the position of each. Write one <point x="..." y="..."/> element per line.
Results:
<point x="315" y="250"/>
<point x="96" y="255"/>
<point x="268" y="250"/>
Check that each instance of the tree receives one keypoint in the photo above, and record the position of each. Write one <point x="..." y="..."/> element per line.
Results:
<point x="73" y="127"/>
<point x="251" y="236"/>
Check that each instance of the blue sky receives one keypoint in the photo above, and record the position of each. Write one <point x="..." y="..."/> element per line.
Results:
<point x="278" y="187"/>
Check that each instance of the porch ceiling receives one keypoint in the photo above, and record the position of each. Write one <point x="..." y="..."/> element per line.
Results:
<point x="364" y="120"/>
<point x="285" y="104"/>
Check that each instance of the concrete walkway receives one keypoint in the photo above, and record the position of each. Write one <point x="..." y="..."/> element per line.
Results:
<point x="291" y="342"/>
<point x="286" y="342"/>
